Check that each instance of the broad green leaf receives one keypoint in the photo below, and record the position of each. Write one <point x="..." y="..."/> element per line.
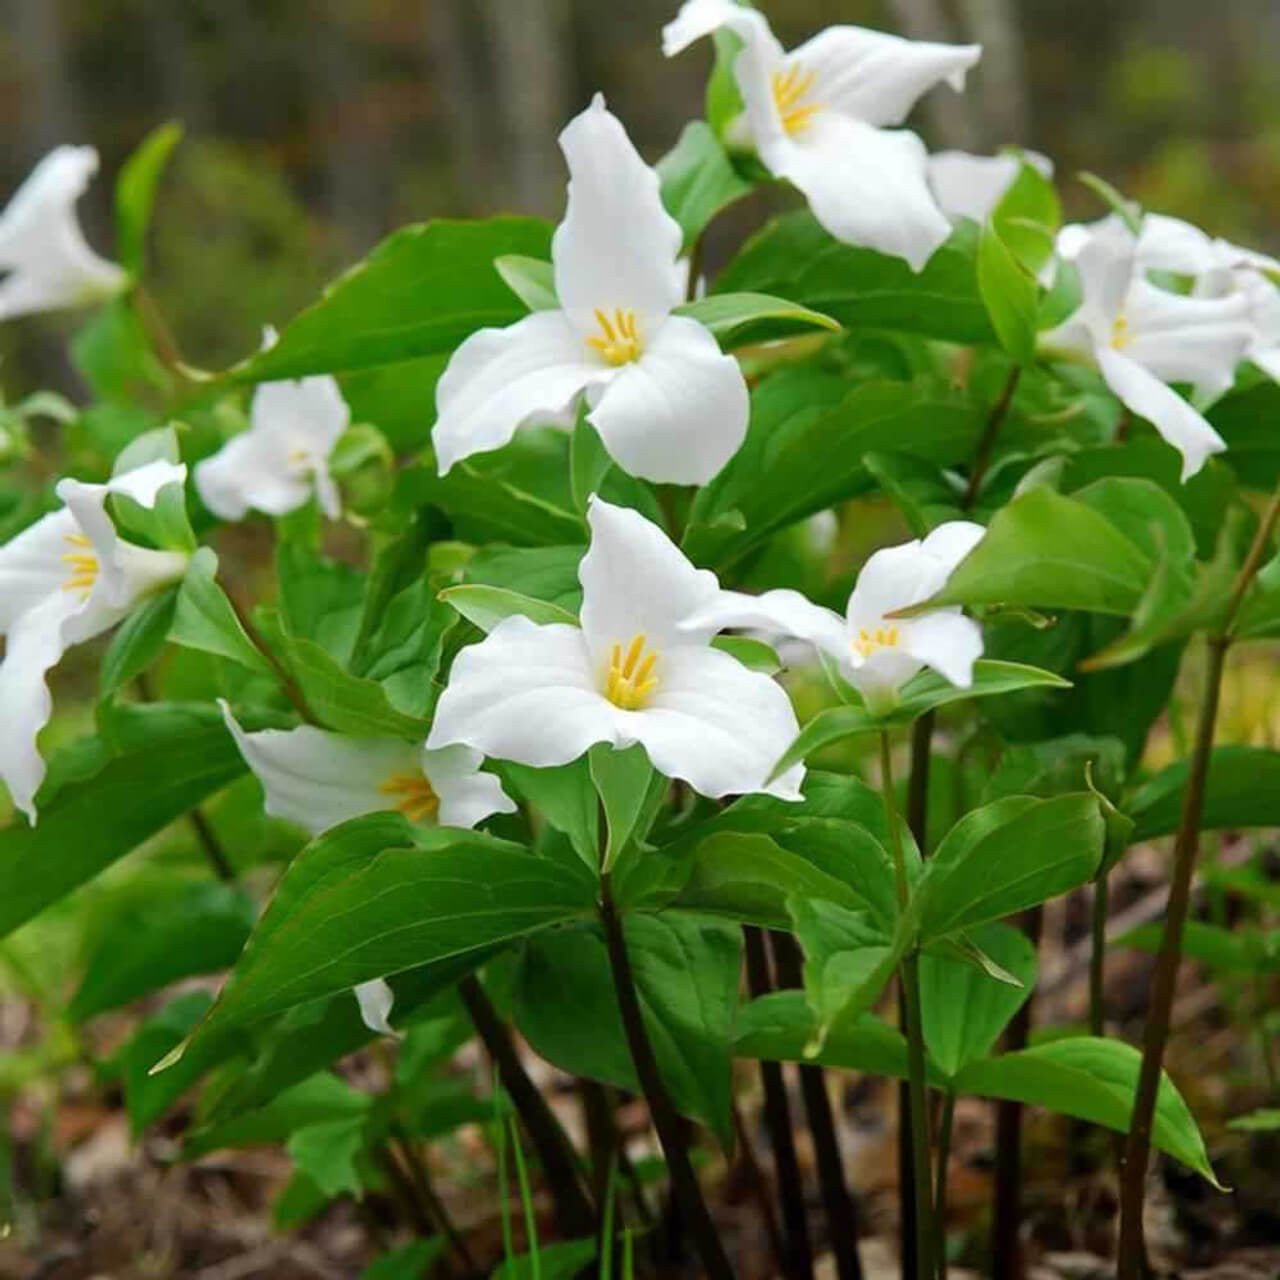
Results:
<point x="698" y="179"/>
<point x="589" y="462"/>
<point x="793" y="257"/>
<point x="566" y="798"/>
<point x="114" y="355"/>
<point x="1243" y="790"/>
<point x="399" y="399"/>
<point x="920" y="490"/>
<point x="1008" y="856"/>
<point x="922" y="693"/>
<point x="162" y="761"/>
<point x="1259" y="615"/>
<point x="532" y="280"/>
<point x="327" y="1153"/>
<point x="1244" y="419"/>
<point x="201" y="929"/>
<point x="752" y="653"/>
<point x="1094" y="1080"/>
<point x="562" y="1260"/>
<point x="1047" y="551"/>
<point x="485" y="607"/>
<point x="738" y="319"/>
<point x="1265" y="1120"/>
<point x="1010" y="295"/>
<point x="1028" y="216"/>
<point x="138" y="641"/>
<point x="204" y="617"/>
<point x="1241" y="949"/>
<point x="622" y="779"/>
<point x="409" y="1262"/>
<point x="964" y="1010"/>
<point x="136" y="194"/>
<point x="420" y="292"/>
<point x="406" y="648"/>
<point x="376" y="896"/>
<point x="320" y="598"/>
<point x="687" y="972"/>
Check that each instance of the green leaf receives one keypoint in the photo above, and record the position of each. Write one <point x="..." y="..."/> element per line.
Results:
<point x="327" y="1153"/>
<point x="421" y="291"/>
<point x="162" y="760"/>
<point x="1128" y="211"/>
<point x="1047" y="551"/>
<point x="138" y="641"/>
<point x="739" y="319"/>
<point x="1241" y="949"/>
<point x="136" y="194"/>
<point x="148" y="1097"/>
<point x="562" y="1260"/>
<point x="1243" y="790"/>
<point x="532" y="280"/>
<point x="965" y="1010"/>
<point x="921" y="693"/>
<point x="199" y="930"/>
<point x="622" y="779"/>
<point x="1008" y="856"/>
<point x="793" y="257"/>
<point x="114" y="355"/>
<point x="375" y="896"/>
<point x="1010" y="295"/>
<point x="205" y="619"/>
<point x="1265" y="1120"/>
<point x="1094" y="1080"/>
<point x="399" y="399"/>
<point x="1028" y="216"/>
<point x="409" y="1262"/>
<point x="485" y="607"/>
<point x="566" y="797"/>
<point x="687" y="972"/>
<point x="754" y="654"/>
<point x="589" y="462"/>
<point x="698" y="179"/>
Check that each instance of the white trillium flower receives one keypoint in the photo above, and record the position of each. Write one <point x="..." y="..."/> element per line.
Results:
<point x="875" y="651"/>
<point x="630" y="673"/>
<point x="819" y="115"/>
<point x="65" y="579"/>
<point x="318" y="779"/>
<point x="283" y="458"/>
<point x="45" y="262"/>
<point x="1142" y="338"/>
<point x="668" y="404"/>
<point x="969" y="186"/>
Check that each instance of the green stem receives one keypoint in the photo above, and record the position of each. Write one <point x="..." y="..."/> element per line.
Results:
<point x="1131" y="1253"/>
<point x="909" y="978"/>
<point x="1098" y="956"/>
<point x="666" y="1121"/>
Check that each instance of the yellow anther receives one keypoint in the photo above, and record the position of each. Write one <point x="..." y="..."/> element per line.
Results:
<point x="869" y="642"/>
<point x="1121" y="335"/>
<point x="417" y="799"/>
<point x="790" y="88"/>
<point x="84" y="564"/>
<point x="619" y="339"/>
<point x="631" y="680"/>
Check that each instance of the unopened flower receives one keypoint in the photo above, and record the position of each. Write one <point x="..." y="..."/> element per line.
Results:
<point x="283" y="458"/>
<point x="65" y="579"/>
<point x="45" y="261"/>
<point x="969" y="186"/>
<point x="876" y="651"/>
<point x="819" y="115"/>
<point x="668" y="404"/>
<point x="630" y="673"/>
<point x="1143" y="337"/>
<point x="318" y="779"/>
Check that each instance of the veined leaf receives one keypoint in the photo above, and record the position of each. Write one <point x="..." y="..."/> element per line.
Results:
<point x="485" y="607"/>
<point x="737" y="319"/>
<point x="698" y="179"/>
<point x="1243" y="790"/>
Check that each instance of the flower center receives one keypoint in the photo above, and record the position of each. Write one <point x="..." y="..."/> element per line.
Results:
<point x="869" y="642"/>
<point x="790" y="88"/>
<point x="83" y="563"/>
<point x="415" y="796"/>
<point x="1121" y="334"/>
<point x="618" y="341"/>
<point x="631" y="679"/>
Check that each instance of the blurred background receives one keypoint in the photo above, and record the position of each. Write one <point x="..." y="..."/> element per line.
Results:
<point x="315" y="126"/>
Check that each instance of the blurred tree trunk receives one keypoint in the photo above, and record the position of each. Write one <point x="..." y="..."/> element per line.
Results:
<point x="950" y="117"/>
<point x="183" y="86"/>
<point x="48" y="109"/>
<point x="1000" y="81"/>
<point x="458" y="67"/>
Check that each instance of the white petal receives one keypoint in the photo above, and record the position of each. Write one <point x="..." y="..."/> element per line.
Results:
<point x="44" y="252"/>
<point x="1268" y="360"/>
<point x="251" y="471"/>
<point x="698" y="18"/>
<point x="143" y="484"/>
<point x="968" y="186"/>
<point x="32" y="567"/>
<point x="1143" y="393"/>
<point x="947" y="641"/>
<point x="679" y="413"/>
<point x="467" y="796"/>
<point x="617" y="246"/>
<point x="876" y="77"/>
<point x="318" y="779"/>
<point x="636" y="581"/>
<point x="892" y="579"/>
<point x="775" y="613"/>
<point x="866" y="186"/>
<point x="716" y="725"/>
<point x="1107" y="262"/>
<point x="880" y="675"/>
<point x="949" y="543"/>
<point x="499" y="379"/>
<point x="525" y="693"/>
<point x="1169" y="244"/>
<point x="1182" y="339"/>
<point x="34" y="645"/>
<point x="375" y="999"/>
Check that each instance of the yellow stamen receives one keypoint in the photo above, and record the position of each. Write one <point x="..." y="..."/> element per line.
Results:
<point x="417" y="798"/>
<point x="790" y="88"/>
<point x="869" y="642"/>
<point x="619" y="339"/>
<point x="84" y="564"/>
<point x="1121" y="336"/>
<point x="631" y="680"/>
